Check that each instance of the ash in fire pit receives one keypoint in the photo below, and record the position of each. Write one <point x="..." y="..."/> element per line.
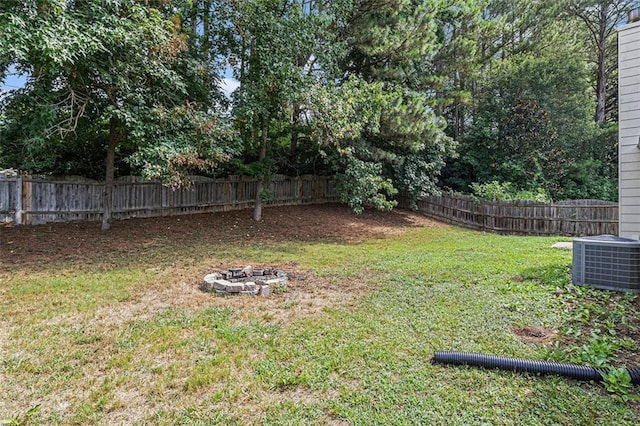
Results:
<point x="245" y="281"/>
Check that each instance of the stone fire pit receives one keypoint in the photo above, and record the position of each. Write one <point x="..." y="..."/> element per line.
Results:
<point x="245" y="280"/>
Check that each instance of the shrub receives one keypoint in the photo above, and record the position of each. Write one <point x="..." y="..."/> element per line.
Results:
<point x="505" y="191"/>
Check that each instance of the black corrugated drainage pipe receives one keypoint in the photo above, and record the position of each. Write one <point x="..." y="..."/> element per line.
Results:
<point x="573" y="371"/>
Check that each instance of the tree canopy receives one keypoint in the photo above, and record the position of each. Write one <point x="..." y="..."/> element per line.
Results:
<point x="386" y="95"/>
<point x="107" y="72"/>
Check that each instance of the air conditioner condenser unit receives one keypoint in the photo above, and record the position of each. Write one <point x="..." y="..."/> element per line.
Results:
<point x="607" y="262"/>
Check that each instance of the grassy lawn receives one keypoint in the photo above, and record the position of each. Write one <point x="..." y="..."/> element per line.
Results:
<point x="132" y="340"/>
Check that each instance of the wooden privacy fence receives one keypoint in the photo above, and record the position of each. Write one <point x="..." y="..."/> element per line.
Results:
<point x="572" y="218"/>
<point x="26" y="200"/>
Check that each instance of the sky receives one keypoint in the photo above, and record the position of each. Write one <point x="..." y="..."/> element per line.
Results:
<point x="13" y="81"/>
<point x="229" y="84"/>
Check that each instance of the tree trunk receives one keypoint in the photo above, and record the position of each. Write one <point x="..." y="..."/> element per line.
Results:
<point x="601" y="83"/>
<point x="194" y="19"/>
<point x="295" y="122"/>
<point x="206" y="31"/>
<point x="458" y="109"/>
<point x="257" y="207"/>
<point x="114" y="139"/>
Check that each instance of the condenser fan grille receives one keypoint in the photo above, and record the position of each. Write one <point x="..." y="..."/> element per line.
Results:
<point x="607" y="262"/>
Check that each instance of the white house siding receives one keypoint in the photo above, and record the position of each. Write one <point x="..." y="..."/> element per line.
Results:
<point x="629" y="129"/>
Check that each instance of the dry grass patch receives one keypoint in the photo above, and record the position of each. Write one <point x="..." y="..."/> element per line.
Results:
<point x="150" y="355"/>
<point x="112" y="328"/>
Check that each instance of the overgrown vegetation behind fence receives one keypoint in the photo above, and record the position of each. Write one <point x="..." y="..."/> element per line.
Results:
<point x="573" y="218"/>
<point x="26" y="200"/>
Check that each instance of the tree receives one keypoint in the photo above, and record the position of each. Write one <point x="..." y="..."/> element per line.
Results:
<point x="391" y="44"/>
<point x="459" y="60"/>
<point x="263" y="63"/>
<point x="349" y="77"/>
<point x="278" y="46"/>
<point x="107" y="66"/>
<point x="600" y="18"/>
<point x="289" y="57"/>
<point x="526" y="122"/>
<point x="474" y="36"/>
<point x="532" y="123"/>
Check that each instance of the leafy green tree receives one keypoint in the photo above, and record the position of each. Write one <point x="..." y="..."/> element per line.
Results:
<point x="350" y="77"/>
<point x="462" y="33"/>
<point x="273" y="59"/>
<point x="527" y="123"/>
<point x="531" y="124"/>
<point x="107" y="68"/>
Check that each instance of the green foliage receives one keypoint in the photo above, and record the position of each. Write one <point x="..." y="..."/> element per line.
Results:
<point x="618" y="382"/>
<point x="389" y="49"/>
<point x="537" y="133"/>
<point x="478" y="85"/>
<point x="346" y="77"/>
<point x="273" y="58"/>
<point x="362" y="185"/>
<point x="590" y="179"/>
<point x="497" y="191"/>
<point x="594" y="174"/>
<point x="186" y="139"/>
<point x="105" y="71"/>
<point x="598" y="351"/>
<point x="596" y="332"/>
<point x="343" y="114"/>
<point x="417" y="174"/>
<point x="527" y="123"/>
<point x="596" y="22"/>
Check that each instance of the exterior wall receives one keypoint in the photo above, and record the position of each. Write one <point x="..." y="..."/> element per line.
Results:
<point x="629" y="130"/>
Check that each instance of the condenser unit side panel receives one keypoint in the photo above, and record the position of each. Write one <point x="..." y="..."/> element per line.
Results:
<point x="607" y="265"/>
<point x="577" y="267"/>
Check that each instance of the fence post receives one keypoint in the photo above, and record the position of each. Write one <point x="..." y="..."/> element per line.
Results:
<point x="18" y="198"/>
<point x="298" y="195"/>
<point x="27" y="201"/>
<point x="164" y="198"/>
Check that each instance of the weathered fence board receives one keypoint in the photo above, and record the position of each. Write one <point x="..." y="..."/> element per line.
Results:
<point x="573" y="218"/>
<point x="10" y="199"/>
<point x="33" y="201"/>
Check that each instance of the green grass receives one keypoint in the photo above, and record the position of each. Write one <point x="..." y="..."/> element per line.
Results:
<point x="82" y="347"/>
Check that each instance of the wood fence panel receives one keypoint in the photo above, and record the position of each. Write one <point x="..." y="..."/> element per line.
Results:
<point x="40" y="201"/>
<point x="579" y="218"/>
<point x="47" y="201"/>
<point x="10" y="199"/>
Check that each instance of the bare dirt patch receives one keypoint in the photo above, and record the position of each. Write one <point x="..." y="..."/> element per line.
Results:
<point x="36" y="247"/>
<point x="536" y="334"/>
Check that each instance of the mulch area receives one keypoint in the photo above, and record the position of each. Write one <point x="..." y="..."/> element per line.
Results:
<point x="40" y="245"/>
